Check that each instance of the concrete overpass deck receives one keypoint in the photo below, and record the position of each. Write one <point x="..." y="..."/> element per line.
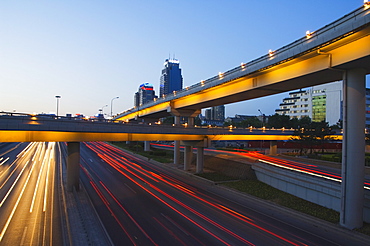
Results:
<point x="32" y="128"/>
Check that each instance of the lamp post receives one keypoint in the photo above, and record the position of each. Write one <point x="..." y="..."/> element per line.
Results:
<point x="111" y="106"/>
<point x="102" y="112"/>
<point x="58" y="97"/>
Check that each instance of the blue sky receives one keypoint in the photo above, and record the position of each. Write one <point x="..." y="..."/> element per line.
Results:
<point x="90" y="51"/>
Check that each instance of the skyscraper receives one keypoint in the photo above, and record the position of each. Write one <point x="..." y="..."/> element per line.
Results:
<point x="145" y="94"/>
<point x="171" y="78"/>
<point x="218" y="113"/>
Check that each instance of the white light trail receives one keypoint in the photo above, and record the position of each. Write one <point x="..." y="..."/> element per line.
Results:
<point x="15" y="206"/>
<point x="14" y="183"/>
<point x="37" y="183"/>
<point x="301" y="171"/>
<point x="4" y="161"/>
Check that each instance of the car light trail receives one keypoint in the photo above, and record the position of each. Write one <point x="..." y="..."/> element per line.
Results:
<point x="3" y="161"/>
<point x="301" y="171"/>
<point x="16" y="205"/>
<point x="112" y="156"/>
<point x="14" y="183"/>
<point x="37" y="185"/>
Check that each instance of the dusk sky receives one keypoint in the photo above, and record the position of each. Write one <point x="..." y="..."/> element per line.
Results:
<point x="90" y="51"/>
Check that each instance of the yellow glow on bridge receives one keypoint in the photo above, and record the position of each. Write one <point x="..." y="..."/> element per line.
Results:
<point x="55" y="136"/>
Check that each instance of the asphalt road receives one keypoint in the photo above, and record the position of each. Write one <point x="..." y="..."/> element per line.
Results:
<point x="29" y="208"/>
<point x="145" y="204"/>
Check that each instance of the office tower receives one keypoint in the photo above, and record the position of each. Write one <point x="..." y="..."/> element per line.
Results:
<point x="171" y="78"/>
<point x="218" y="113"/>
<point x="145" y="94"/>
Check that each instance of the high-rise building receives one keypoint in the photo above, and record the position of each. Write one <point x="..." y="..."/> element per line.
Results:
<point x="171" y="78"/>
<point x="320" y="103"/>
<point x="214" y="116"/>
<point x="145" y="94"/>
<point x="218" y="113"/>
<point x="215" y="113"/>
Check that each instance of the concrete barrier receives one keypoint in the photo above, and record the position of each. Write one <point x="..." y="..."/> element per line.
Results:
<point x="326" y="193"/>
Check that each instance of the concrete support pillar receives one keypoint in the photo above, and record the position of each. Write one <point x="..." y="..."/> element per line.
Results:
<point x="273" y="147"/>
<point x="146" y="145"/>
<point x="353" y="149"/>
<point x="188" y="162"/>
<point x="190" y="121"/>
<point x="200" y="159"/>
<point x="176" y="147"/>
<point x="188" y="156"/>
<point x="73" y="166"/>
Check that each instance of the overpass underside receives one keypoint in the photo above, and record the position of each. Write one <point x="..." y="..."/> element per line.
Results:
<point x="58" y="136"/>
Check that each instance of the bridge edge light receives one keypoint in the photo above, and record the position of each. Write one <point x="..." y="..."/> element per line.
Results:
<point x="271" y="53"/>
<point x="309" y="34"/>
<point x="366" y="4"/>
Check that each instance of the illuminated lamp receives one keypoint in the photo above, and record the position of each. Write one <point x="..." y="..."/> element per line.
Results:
<point x="202" y="83"/>
<point x="366" y="4"/>
<point x="220" y="75"/>
<point x="242" y="65"/>
<point x="271" y="53"/>
<point x="309" y="34"/>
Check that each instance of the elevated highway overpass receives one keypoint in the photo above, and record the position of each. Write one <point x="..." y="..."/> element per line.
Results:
<point x="338" y="51"/>
<point x="319" y="57"/>
<point x="36" y="129"/>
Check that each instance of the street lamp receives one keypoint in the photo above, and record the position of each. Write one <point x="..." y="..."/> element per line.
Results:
<point x="58" y="97"/>
<point x="111" y="106"/>
<point x="103" y="108"/>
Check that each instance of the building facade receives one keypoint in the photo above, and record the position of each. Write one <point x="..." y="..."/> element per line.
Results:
<point x="144" y="95"/>
<point x="171" y="78"/>
<point x="320" y="103"/>
<point x="214" y="116"/>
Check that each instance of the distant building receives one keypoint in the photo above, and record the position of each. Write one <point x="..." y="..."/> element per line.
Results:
<point x="171" y="78"/>
<point x="144" y="95"/>
<point x="215" y="113"/>
<point x="208" y="114"/>
<point x="218" y="113"/>
<point x="214" y="116"/>
<point x="320" y="103"/>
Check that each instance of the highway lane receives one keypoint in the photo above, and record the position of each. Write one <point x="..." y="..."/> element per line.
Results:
<point x="143" y="204"/>
<point x="320" y="171"/>
<point x="29" y="209"/>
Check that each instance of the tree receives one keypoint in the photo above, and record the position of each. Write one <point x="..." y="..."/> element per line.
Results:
<point x="250" y="121"/>
<point x="279" y="121"/>
<point x="311" y="133"/>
